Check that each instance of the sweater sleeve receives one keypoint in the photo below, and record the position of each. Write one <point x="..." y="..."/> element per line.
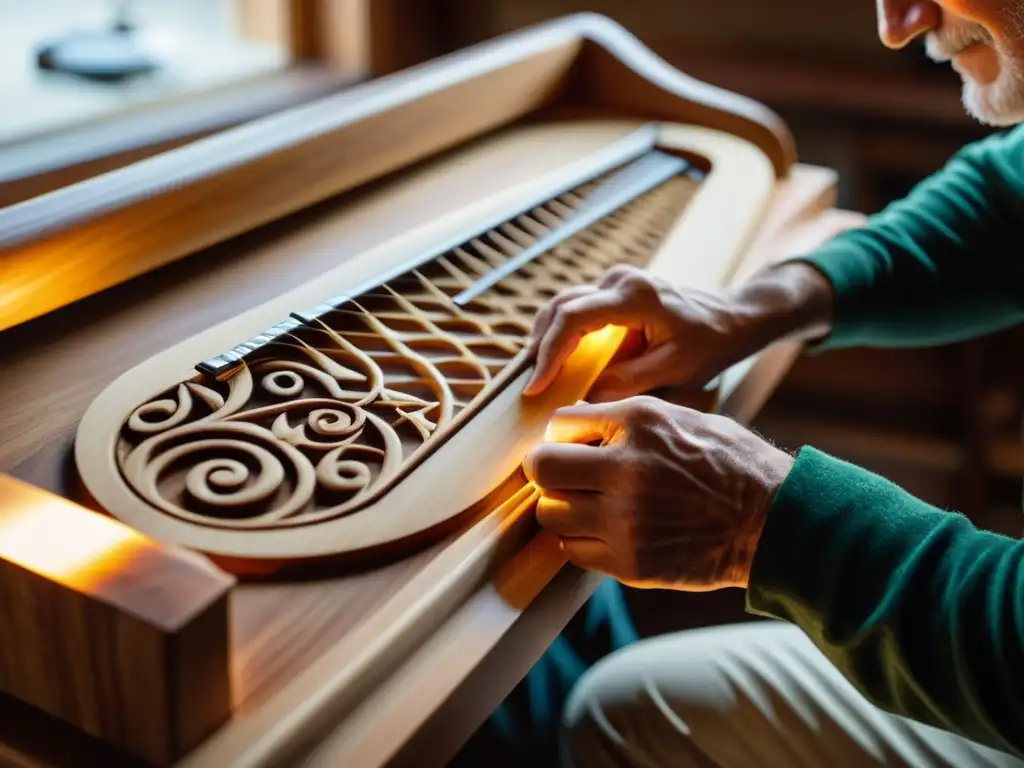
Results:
<point x="942" y="264"/>
<point x="922" y="612"/>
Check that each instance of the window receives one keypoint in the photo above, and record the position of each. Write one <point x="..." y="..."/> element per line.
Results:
<point x="194" y="46"/>
<point x="123" y="79"/>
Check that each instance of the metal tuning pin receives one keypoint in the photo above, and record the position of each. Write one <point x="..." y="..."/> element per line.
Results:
<point x="227" y="363"/>
<point x="224" y="365"/>
<point x="314" y="315"/>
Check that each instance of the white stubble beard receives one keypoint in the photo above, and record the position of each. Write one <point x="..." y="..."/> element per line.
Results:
<point x="999" y="103"/>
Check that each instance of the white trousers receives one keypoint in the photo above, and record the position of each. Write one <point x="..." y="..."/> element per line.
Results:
<point x="746" y="695"/>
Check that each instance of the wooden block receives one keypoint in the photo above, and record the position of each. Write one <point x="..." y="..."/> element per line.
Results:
<point x="112" y="632"/>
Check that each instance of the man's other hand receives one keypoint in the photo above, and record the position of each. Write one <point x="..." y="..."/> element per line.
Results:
<point x="676" y="337"/>
<point x="679" y="338"/>
<point x="654" y="494"/>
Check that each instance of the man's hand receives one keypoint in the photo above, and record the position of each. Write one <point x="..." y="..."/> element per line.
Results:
<point x="676" y="336"/>
<point x="679" y="338"/>
<point x="654" y="494"/>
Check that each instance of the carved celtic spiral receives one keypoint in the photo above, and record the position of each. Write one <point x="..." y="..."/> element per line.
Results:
<point x="239" y="473"/>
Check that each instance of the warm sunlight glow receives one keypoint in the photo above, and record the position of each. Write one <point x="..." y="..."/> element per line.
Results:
<point x="594" y="351"/>
<point x="604" y="341"/>
<point x="62" y="542"/>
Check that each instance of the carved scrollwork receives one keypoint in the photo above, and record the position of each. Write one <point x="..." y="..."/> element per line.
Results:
<point x="335" y="413"/>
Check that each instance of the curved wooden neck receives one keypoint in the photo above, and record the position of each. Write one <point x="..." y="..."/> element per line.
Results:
<point x="617" y="73"/>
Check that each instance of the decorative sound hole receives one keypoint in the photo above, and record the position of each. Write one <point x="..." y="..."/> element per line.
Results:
<point x="324" y="422"/>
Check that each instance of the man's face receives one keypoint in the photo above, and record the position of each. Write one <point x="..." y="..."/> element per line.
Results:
<point x="982" y="39"/>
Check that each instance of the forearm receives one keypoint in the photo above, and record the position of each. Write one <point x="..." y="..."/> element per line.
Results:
<point x="793" y="300"/>
<point x="921" y="611"/>
<point x="941" y="265"/>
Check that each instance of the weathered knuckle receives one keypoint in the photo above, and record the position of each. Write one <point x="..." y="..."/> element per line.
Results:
<point x="642" y="285"/>
<point x="632" y="414"/>
<point x="559" y="327"/>
<point x="617" y="273"/>
<point x="556" y="313"/>
<point x="649" y="405"/>
<point x="635" y="283"/>
<point x="640" y="410"/>
<point x="572" y="315"/>
<point x="562" y="293"/>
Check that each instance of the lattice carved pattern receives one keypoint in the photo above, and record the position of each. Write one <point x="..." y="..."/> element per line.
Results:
<point x="326" y="420"/>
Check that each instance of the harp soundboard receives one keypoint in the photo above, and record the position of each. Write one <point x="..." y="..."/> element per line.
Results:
<point x="291" y="356"/>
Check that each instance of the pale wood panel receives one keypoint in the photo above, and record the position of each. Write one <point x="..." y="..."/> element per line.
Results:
<point x="342" y="35"/>
<point x="266" y="21"/>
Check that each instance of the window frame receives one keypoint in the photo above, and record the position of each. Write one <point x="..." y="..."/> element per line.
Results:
<point x="333" y="45"/>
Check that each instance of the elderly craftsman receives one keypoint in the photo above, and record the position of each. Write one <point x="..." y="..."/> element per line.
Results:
<point x="883" y="598"/>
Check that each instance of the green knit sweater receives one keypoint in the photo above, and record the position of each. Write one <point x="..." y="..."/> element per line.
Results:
<point x="921" y="611"/>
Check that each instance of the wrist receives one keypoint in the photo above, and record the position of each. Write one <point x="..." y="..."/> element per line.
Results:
<point x="774" y="467"/>
<point x="792" y="300"/>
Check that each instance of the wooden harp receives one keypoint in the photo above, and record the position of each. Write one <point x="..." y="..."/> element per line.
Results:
<point x="362" y="398"/>
<point x="372" y="406"/>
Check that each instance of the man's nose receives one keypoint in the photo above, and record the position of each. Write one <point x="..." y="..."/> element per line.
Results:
<point x="900" y="21"/>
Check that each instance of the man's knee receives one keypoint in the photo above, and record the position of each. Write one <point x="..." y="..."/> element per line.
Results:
<point x="613" y="718"/>
<point x="668" y="697"/>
